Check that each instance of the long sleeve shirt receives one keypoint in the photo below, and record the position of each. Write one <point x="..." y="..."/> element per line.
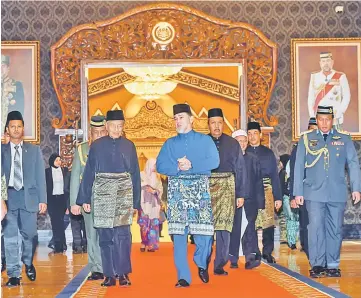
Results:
<point x="198" y="148"/>
<point x="268" y="168"/>
<point x="231" y="160"/>
<point x="107" y="155"/>
<point x="254" y="185"/>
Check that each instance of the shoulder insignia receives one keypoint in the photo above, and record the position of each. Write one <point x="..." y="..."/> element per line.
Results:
<point x="82" y="143"/>
<point x="81" y="155"/>
<point x="306" y="132"/>
<point x="343" y="132"/>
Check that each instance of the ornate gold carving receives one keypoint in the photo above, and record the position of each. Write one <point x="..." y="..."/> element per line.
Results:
<point x="126" y="37"/>
<point x="66" y="151"/>
<point x="108" y="83"/>
<point x="206" y="84"/>
<point x="182" y="77"/>
<point x="152" y="124"/>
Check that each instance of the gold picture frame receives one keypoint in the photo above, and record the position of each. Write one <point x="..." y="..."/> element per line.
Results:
<point x="336" y="83"/>
<point x="21" y="88"/>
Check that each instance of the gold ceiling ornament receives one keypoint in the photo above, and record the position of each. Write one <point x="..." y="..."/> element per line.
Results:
<point x="127" y="37"/>
<point x="151" y="82"/>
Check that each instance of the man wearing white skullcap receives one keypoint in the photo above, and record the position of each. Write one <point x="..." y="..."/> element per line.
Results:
<point x="255" y="199"/>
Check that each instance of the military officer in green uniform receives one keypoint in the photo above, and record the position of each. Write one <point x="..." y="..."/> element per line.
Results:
<point x="97" y="130"/>
<point x="322" y="156"/>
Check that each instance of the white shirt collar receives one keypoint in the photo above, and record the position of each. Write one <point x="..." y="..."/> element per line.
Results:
<point x="13" y="145"/>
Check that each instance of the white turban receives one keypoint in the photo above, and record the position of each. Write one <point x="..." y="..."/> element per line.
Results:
<point x="239" y="133"/>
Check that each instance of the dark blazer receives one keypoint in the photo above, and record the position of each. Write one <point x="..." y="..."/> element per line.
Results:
<point x="49" y="182"/>
<point x="33" y="174"/>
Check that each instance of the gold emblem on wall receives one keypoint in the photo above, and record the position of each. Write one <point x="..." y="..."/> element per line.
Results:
<point x="163" y="33"/>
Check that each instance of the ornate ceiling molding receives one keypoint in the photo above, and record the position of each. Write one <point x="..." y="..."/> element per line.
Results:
<point x="183" y="77"/>
<point x="197" y="36"/>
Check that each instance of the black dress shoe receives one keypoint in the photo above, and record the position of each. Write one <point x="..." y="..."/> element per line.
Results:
<point x="317" y="272"/>
<point x="333" y="272"/>
<point x="203" y="275"/>
<point x="182" y="284"/>
<point x="252" y="264"/>
<point x="30" y="272"/>
<point x="84" y="249"/>
<point x="77" y="250"/>
<point x="13" y="282"/>
<point x="220" y="272"/>
<point x="269" y="258"/>
<point x="234" y="266"/>
<point x="293" y="246"/>
<point x="96" y="276"/>
<point x="124" y="280"/>
<point x="108" y="282"/>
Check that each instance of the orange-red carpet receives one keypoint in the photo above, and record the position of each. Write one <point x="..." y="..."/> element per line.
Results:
<point x="154" y="275"/>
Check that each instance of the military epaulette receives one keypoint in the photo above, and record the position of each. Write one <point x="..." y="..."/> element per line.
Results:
<point x="344" y="132"/>
<point x="80" y="151"/>
<point x="82" y="143"/>
<point x="306" y="132"/>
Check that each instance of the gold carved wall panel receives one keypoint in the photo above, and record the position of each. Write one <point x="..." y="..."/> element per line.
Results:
<point x="163" y="31"/>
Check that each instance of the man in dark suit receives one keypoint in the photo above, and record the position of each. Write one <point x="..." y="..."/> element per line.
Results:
<point x="24" y="170"/>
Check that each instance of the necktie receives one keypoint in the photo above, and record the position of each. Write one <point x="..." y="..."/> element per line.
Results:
<point x="325" y="136"/>
<point x="17" y="169"/>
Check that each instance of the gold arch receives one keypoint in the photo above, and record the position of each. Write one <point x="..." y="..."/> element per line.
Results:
<point x="129" y="37"/>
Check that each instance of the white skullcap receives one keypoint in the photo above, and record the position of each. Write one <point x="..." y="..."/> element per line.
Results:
<point x="239" y="133"/>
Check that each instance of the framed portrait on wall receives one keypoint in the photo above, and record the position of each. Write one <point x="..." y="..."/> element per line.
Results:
<point x="326" y="72"/>
<point x="20" y="85"/>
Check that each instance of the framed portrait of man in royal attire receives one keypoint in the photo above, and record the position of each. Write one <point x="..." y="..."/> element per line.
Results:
<point x="326" y="72"/>
<point x="20" y="85"/>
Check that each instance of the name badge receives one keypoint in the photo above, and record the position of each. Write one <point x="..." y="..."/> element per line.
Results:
<point x="338" y="143"/>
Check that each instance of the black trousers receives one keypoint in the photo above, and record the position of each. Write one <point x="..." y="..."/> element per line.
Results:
<point x="115" y="247"/>
<point x="250" y="238"/>
<point x="78" y="230"/>
<point x="303" y="219"/>
<point x="56" y="210"/>
<point x="268" y="240"/>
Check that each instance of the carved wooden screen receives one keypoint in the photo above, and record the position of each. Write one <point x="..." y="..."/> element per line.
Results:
<point x="164" y="31"/>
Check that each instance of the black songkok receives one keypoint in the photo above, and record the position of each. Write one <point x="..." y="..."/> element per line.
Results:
<point x="215" y="113"/>
<point x="253" y="125"/>
<point x="14" y="115"/>
<point x="115" y="115"/>
<point x="181" y="108"/>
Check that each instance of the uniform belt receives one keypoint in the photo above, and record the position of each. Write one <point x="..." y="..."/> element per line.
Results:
<point x="266" y="181"/>
<point x="12" y="187"/>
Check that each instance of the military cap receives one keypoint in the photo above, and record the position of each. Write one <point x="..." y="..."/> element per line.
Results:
<point x="97" y="121"/>
<point x="325" y="110"/>
<point x="325" y="55"/>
